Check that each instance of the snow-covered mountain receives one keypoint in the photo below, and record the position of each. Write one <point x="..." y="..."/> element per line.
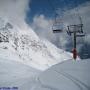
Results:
<point x="27" y="47"/>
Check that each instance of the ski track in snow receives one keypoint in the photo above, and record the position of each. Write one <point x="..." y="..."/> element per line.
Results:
<point x="77" y="82"/>
<point x="45" y="86"/>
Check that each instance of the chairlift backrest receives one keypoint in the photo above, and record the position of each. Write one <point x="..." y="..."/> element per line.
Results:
<point x="57" y="28"/>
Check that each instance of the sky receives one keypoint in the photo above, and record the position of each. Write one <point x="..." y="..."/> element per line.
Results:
<point x="39" y="15"/>
<point x="48" y="7"/>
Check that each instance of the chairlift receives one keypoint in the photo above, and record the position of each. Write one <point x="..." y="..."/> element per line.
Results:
<point x="57" y="25"/>
<point x="57" y="29"/>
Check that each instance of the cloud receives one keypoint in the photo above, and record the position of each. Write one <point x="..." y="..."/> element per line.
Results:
<point x="72" y="17"/>
<point x="14" y="10"/>
<point x="43" y="27"/>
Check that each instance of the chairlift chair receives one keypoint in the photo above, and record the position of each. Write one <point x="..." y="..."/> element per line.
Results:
<point x="57" y="29"/>
<point x="57" y="25"/>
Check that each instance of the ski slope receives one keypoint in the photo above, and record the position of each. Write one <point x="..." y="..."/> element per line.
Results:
<point x="69" y="75"/>
<point x="15" y="74"/>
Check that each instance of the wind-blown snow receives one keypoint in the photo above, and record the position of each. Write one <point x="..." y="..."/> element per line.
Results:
<point x="30" y="50"/>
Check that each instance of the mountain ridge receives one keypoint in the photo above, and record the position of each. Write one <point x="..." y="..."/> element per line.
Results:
<point x="29" y="47"/>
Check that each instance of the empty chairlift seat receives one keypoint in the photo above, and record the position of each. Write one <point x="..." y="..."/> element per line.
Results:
<point x="57" y="28"/>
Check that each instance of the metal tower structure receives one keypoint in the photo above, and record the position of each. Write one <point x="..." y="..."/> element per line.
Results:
<point x="77" y="31"/>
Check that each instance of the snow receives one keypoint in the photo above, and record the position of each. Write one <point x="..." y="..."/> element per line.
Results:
<point x="15" y="74"/>
<point x="24" y="58"/>
<point x="28" y="47"/>
<point x="69" y="75"/>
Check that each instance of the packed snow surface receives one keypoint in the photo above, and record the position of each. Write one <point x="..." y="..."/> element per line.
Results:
<point x="15" y="74"/>
<point x="71" y="75"/>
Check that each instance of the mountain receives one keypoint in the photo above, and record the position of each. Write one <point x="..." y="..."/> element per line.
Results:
<point x="69" y="75"/>
<point x="28" y="47"/>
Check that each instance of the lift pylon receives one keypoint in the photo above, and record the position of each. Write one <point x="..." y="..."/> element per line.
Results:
<point x="77" y="31"/>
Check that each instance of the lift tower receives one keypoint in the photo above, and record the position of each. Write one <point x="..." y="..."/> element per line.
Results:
<point x="76" y="31"/>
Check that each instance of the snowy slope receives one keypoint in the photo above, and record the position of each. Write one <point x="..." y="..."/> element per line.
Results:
<point x="69" y="75"/>
<point x="28" y="47"/>
<point x="14" y="74"/>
